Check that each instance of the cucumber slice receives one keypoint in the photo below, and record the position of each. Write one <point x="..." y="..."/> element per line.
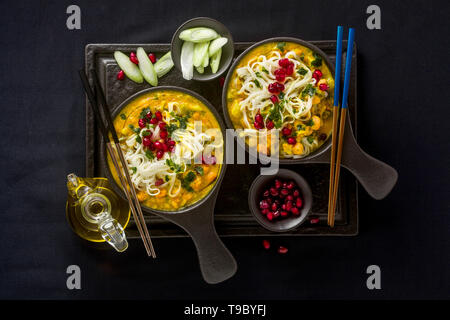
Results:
<point x="216" y="44"/>
<point x="131" y="70"/>
<point x="200" y="69"/>
<point x="187" y="55"/>
<point x="200" y="51"/>
<point x="205" y="61"/>
<point x="163" y="65"/>
<point x="215" y="61"/>
<point x="199" y="34"/>
<point x="146" y="67"/>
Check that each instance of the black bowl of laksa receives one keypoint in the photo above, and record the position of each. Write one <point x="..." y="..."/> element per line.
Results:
<point x="284" y="84"/>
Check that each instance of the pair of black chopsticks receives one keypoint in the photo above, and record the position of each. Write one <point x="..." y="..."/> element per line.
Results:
<point x="117" y="156"/>
<point x="338" y="136"/>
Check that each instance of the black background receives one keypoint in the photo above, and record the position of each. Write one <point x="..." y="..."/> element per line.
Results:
<point x="403" y="102"/>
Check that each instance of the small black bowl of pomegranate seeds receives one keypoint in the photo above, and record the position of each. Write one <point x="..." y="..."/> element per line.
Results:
<point x="282" y="202"/>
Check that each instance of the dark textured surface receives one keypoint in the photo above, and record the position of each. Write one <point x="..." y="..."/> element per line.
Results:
<point x="402" y="119"/>
<point x="235" y="219"/>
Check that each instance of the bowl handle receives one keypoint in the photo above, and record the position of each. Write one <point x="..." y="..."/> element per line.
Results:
<point x="216" y="262"/>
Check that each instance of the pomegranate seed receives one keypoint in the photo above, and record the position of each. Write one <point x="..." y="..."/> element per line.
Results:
<point x="283" y="62"/>
<point x="120" y="75"/>
<point x="274" y="99"/>
<point x="158" y="115"/>
<point x="314" y="220"/>
<point x="132" y="54"/>
<point x="276" y="214"/>
<point x="165" y="148"/>
<point x="296" y="193"/>
<point x="141" y="123"/>
<point x="257" y="125"/>
<point x="162" y="125"/>
<point x="274" y="207"/>
<point x="259" y="118"/>
<point x="134" y="59"/>
<point x="266" y="244"/>
<point x="286" y="131"/>
<point x="270" y="216"/>
<point x="281" y="75"/>
<point x="222" y="81"/>
<point x="270" y="125"/>
<point x="323" y="87"/>
<point x="291" y="140"/>
<point x="290" y="198"/>
<point x="278" y="184"/>
<point x="290" y="185"/>
<point x="266" y="193"/>
<point x="158" y="145"/>
<point x="148" y="115"/>
<point x="153" y="121"/>
<point x="171" y="143"/>
<point x="288" y="205"/>
<point x="146" y="141"/>
<point x="263" y="204"/>
<point x="265" y="211"/>
<point x="210" y="160"/>
<point x="284" y="213"/>
<point x="159" y="182"/>
<point x="284" y="192"/>
<point x="283" y="206"/>
<point x="317" y="74"/>
<point x="269" y="200"/>
<point x="290" y="70"/>
<point x="295" y="211"/>
<point x="299" y="203"/>
<point x="282" y="250"/>
<point x="159" y="154"/>
<point x="152" y="57"/>
<point x="273" y="88"/>
<point x="273" y="192"/>
<point x="280" y="86"/>
<point x="163" y="134"/>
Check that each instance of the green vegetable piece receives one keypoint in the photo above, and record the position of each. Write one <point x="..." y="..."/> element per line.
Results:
<point x="199" y="34"/>
<point x="129" y="68"/>
<point x="200" y="69"/>
<point x="163" y="65"/>
<point x="310" y="139"/>
<point x="146" y="67"/>
<point x="187" y="56"/>
<point x="302" y="71"/>
<point x="216" y="44"/>
<point x="199" y="170"/>
<point x="149" y="154"/>
<point x="123" y="117"/>
<point x="281" y="45"/>
<point x="215" y="61"/>
<point x="317" y="62"/>
<point x="134" y="169"/>
<point x="200" y="51"/>
<point x="257" y="83"/>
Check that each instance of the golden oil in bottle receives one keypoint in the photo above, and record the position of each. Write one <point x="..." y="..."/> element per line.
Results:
<point x="95" y="212"/>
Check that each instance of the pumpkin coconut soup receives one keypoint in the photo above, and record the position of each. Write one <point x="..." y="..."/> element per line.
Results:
<point x="287" y="87"/>
<point x="173" y="146"/>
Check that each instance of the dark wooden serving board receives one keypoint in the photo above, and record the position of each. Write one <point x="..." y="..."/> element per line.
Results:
<point x="232" y="215"/>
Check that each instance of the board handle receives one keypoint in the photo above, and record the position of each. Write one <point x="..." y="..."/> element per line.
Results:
<point x="216" y="262"/>
<point x="377" y="177"/>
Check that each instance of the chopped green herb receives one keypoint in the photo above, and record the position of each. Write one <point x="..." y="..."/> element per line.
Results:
<point x="257" y="83"/>
<point x="281" y="45"/>
<point x="138" y="139"/>
<point x="199" y="170"/>
<point x="181" y="120"/>
<point x="281" y="95"/>
<point x="134" y="169"/>
<point x="186" y="181"/>
<point x="171" y="128"/>
<point x="166" y="178"/>
<point x="302" y="57"/>
<point x="299" y="127"/>
<point x="310" y="123"/>
<point x="309" y="90"/>
<point x="258" y="74"/>
<point x="302" y="71"/>
<point x="123" y="117"/>
<point x="310" y="139"/>
<point x="275" y="114"/>
<point x="149" y="154"/>
<point x="173" y="166"/>
<point x="135" y="130"/>
<point x="265" y="70"/>
<point x="144" y="112"/>
<point x="317" y="62"/>
<point x="146" y="133"/>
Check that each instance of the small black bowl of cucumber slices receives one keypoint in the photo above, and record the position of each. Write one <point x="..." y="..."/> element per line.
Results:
<point x="202" y="49"/>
